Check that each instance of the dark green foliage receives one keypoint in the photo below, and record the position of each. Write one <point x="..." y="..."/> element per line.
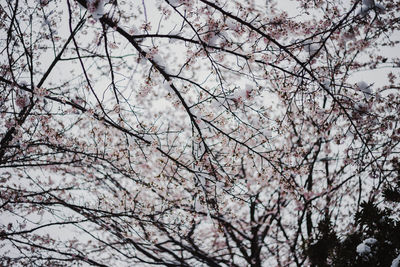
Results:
<point x="323" y="247"/>
<point x="392" y="194"/>
<point x="372" y="222"/>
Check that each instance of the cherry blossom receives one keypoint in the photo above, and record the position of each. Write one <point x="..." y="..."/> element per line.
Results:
<point x="192" y="133"/>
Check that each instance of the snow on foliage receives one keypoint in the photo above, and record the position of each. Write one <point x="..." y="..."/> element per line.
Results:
<point x="175" y="3"/>
<point x="365" y="88"/>
<point x="96" y="8"/>
<point x="312" y="48"/>
<point x="396" y="262"/>
<point x="364" y="248"/>
<point x="369" y="5"/>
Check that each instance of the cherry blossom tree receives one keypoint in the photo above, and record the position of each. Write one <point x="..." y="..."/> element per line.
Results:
<point x="192" y="133"/>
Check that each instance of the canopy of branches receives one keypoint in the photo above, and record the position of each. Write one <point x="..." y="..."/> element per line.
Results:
<point x="197" y="133"/>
